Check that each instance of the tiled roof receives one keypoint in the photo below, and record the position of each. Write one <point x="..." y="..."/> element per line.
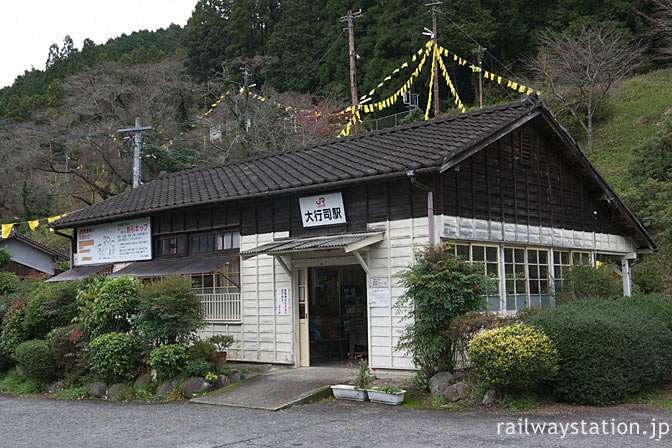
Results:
<point x="315" y="243"/>
<point x="396" y="150"/>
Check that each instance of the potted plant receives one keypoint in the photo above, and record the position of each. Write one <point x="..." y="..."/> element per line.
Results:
<point x="222" y="342"/>
<point x="387" y="395"/>
<point x="356" y="390"/>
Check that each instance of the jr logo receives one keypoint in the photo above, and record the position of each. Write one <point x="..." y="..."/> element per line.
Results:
<point x="320" y="202"/>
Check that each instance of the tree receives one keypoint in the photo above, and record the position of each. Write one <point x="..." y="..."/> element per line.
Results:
<point x="661" y="26"/>
<point x="578" y="69"/>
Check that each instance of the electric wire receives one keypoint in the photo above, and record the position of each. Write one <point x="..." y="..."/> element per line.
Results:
<point x="49" y="131"/>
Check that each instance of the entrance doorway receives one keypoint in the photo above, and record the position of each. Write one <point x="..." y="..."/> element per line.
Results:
<point x="335" y="315"/>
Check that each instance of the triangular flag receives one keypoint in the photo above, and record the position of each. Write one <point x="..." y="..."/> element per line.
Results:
<point x="414" y="58"/>
<point x="396" y="70"/>
<point x="53" y="218"/>
<point x="6" y="230"/>
<point x="387" y="78"/>
<point x="499" y="80"/>
<point x="404" y="65"/>
<point x="522" y="89"/>
<point x="33" y="224"/>
<point x="514" y="86"/>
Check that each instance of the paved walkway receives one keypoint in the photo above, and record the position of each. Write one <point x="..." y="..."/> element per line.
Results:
<point x="278" y="389"/>
<point x="43" y="422"/>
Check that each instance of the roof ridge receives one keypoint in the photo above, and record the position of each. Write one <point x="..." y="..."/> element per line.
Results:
<point x="369" y="134"/>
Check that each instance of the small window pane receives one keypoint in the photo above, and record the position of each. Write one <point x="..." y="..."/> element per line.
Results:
<point x="235" y="237"/>
<point x="462" y="251"/>
<point x="219" y="242"/>
<point x="195" y="247"/>
<point x="508" y="255"/>
<point x="545" y="301"/>
<point x="227" y="240"/>
<point x="210" y="243"/>
<point x="478" y="253"/>
<point x="542" y="257"/>
<point x="564" y="257"/>
<point x="207" y="280"/>
<point x="519" y="255"/>
<point x="492" y="269"/>
<point x="491" y="254"/>
<point x="511" y="303"/>
<point x="180" y="245"/>
<point x="493" y="303"/>
<point x="535" y="301"/>
<point x="532" y="256"/>
<point x="520" y="303"/>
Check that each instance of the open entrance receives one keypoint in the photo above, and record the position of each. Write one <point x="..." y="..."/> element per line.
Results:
<point x="337" y="320"/>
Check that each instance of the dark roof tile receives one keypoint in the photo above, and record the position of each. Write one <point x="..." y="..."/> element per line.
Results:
<point x="414" y="146"/>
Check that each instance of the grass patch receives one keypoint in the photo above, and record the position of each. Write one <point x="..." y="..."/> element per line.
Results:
<point x="73" y="393"/>
<point x="657" y="397"/>
<point x="521" y="401"/>
<point x="16" y="384"/>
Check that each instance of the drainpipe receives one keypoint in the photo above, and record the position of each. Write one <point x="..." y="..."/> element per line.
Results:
<point x="430" y="204"/>
<point x="72" y="244"/>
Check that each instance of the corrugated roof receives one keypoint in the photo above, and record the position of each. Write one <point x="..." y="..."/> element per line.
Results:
<point x="416" y="146"/>
<point x="313" y="243"/>
<point x="79" y="272"/>
<point x="168" y="266"/>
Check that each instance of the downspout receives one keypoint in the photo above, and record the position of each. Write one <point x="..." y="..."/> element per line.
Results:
<point x="72" y="244"/>
<point x="430" y="204"/>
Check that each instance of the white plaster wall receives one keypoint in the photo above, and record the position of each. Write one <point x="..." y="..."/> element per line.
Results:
<point x="29" y="256"/>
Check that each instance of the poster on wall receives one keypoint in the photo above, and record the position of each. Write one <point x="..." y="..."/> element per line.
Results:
<point x="115" y="242"/>
<point x="379" y="297"/>
<point x="322" y="210"/>
<point x="282" y="301"/>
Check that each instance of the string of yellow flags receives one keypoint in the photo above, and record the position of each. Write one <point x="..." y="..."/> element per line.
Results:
<point x="392" y="99"/>
<point x="518" y="87"/>
<point x="256" y="97"/>
<point x="453" y="90"/>
<point x="33" y="224"/>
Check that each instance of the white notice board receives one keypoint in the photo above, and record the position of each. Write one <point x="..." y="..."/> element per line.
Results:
<point x="115" y="242"/>
<point x="379" y="297"/>
<point x="282" y="301"/>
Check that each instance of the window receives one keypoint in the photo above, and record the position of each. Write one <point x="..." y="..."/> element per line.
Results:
<point x="227" y="240"/>
<point x="564" y="259"/>
<point x="516" y="278"/>
<point x="488" y="258"/>
<point x="220" y="292"/>
<point x="173" y="245"/>
<point x="538" y="278"/>
<point x="202" y="243"/>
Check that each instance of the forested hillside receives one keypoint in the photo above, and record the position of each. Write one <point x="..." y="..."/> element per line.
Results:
<point x="58" y="124"/>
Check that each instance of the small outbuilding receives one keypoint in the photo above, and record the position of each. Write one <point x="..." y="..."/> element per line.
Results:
<point x="295" y="254"/>
<point x="29" y="258"/>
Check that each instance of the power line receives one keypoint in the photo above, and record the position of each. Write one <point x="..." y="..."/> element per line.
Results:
<point x="149" y="145"/>
<point x="49" y="131"/>
<point x="326" y="53"/>
<point x="477" y="43"/>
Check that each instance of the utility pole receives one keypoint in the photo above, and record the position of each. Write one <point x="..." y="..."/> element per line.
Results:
<point x="479" y="53"/>
<point x="246" y="92"/>
<point x="353" y="56"/>
<point x="137" y="169"/>
<point x="434" y="5"/>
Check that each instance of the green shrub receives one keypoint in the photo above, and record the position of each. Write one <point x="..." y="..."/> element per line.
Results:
<point x="463" y="328"/>
<point x="13" y="331"/>
<point x="587" y="282"/>
<point x="196" y="368"/>
<point x="514" y="357"/>
<point x="35" y="360"/>
<point x="203" y="351"/>
<point x="15" y="383"/>
<point x="114" y="356"/>
<point x="51" y="305"/>
<point x="108" y="305"/>
<point x="9" y="283"/>
<point x="438" y="288"/>
<point x="657" y="305"/>
<point x="5" y="257"/>
<point x="169" y="312"/>
<point x="608" y="350"/>
<point x="66" y="345"/>
<point x="168" y="360"/>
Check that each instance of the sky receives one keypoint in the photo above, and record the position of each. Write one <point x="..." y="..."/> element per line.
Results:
<point x="29" y="27"/>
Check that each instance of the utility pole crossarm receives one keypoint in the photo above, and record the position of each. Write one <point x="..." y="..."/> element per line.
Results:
<point x="137" y="173"/>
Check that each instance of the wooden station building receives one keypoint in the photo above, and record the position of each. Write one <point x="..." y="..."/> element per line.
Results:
<point x="295" y="254"/>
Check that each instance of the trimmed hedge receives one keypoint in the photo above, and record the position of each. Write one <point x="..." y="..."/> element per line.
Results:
<point x="514" y="357"/>
<point x="608" y="349"/>
<point x="34" y="358"/>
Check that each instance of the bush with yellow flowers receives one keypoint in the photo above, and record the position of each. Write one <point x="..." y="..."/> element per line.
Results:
<point x="514" y="357"/>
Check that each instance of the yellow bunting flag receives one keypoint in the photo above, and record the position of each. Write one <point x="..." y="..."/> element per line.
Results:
<point x="414" y="58"/>
<point x="33" y="224"/>
<point x="6" y="230"/>
<point x="514" y="85"/>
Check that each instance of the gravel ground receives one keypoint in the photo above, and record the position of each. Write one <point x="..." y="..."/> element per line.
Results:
<point x="33" y="422"/>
